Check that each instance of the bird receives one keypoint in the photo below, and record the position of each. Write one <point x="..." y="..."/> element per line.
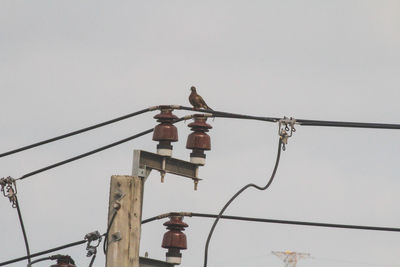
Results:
<point x="196" y="100"/>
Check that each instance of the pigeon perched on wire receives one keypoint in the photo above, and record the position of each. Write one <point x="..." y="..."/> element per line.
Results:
<point x="196" y="100"/>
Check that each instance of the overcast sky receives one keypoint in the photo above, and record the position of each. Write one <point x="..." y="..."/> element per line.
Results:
<point x="69" y="64"/>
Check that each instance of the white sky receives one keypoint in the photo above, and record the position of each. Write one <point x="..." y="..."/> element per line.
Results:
<point x="68" y="64"/>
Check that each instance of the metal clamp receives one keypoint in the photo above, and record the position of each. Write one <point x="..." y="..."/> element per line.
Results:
<point x="90" y="237"/>
<point x="9" y="189"/>
<point x="286" y="130"/>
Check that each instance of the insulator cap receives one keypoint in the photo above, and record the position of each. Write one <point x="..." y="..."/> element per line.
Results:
<point x="64" y="261"/>
<point x="200" y="124"/>
<point x="165" y="131"/>
<point x="175" y="238"/>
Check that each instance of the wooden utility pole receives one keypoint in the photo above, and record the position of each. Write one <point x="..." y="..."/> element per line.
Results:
<point x="125" y="206"/>
<point x="125" y="213"/>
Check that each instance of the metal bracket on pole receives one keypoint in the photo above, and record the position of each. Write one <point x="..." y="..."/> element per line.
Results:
<point x="144" y="162"/>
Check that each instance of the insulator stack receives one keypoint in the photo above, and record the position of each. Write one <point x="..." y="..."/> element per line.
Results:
<point x="199" y="141"/>
<point x="165" y="132"/>
<point x="64" y="261"/>
<point x="174" y="240"/>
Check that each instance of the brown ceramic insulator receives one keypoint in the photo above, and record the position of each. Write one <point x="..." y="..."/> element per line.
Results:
<point x="199" y="139"/>
<point x="64" y="261"/>
<point x="175" y="238"/>
<point x="165" y="131"/>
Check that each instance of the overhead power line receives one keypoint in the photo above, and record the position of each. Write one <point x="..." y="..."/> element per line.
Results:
<point x="225" y="217"/>
<point x="276" y="221"/>
<point x="221" y="114"/>
<point x="93" y="151"/>
<point x="84" y="154"/>
<point x="74" y="132"/>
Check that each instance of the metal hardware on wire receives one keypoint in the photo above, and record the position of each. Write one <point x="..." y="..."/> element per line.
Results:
<point x="90" y="237"/>
<point x="9" y="189"/>
<point x="286" y="130"/>
<point x="92" y="249"/>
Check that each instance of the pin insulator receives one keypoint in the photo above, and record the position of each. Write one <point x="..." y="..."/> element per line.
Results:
<point x="165" y="132"/>
<point x="199" y="141"/>
<point x="174" y="240"/>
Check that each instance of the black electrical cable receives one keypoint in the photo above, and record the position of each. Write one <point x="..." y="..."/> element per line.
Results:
<point x="328" y="225"/>
<point x="44" y="252"/>
<point x="92" y="260"/>
<point x="215" y="114"/>
<point x="75" y="132"/>
<point x="236" y="195"/>
<point x="348" y="124"/>
<point x="224" y="114"/>
<point x="105" y="243"/>
<point x="302" y="122"/>
<point x="264" y="220"/>
<point x="21" y="222"/>
<point x="85" y="154"/>
<point x="92" y="152"/>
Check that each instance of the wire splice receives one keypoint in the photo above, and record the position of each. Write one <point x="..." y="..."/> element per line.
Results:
<point x="286" y="129"/>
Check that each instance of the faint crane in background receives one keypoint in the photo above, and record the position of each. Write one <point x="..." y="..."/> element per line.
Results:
<point x="290" y="258"/>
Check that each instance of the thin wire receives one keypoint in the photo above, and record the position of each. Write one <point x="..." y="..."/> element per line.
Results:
<point x="44" y="252"/>
<point x="21" y="222"/>
<point x="74" y="132"/>
<point x="236" y="195"/>
<point x="353" y="262"/>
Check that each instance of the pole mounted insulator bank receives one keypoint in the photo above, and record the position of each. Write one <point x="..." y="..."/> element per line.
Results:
<point x="174" y="240"/>
<point x="64" y="261"/>
<point x="199" y="140"/>
<point x="165" y="132"/>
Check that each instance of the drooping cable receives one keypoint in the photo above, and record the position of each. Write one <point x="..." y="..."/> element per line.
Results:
<point x="75" y="132"/>
<point x="21" y="222"/>
<point x="105" y="243"/>
<point x="92" y="260"/>
<point x="236" y="195"/>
